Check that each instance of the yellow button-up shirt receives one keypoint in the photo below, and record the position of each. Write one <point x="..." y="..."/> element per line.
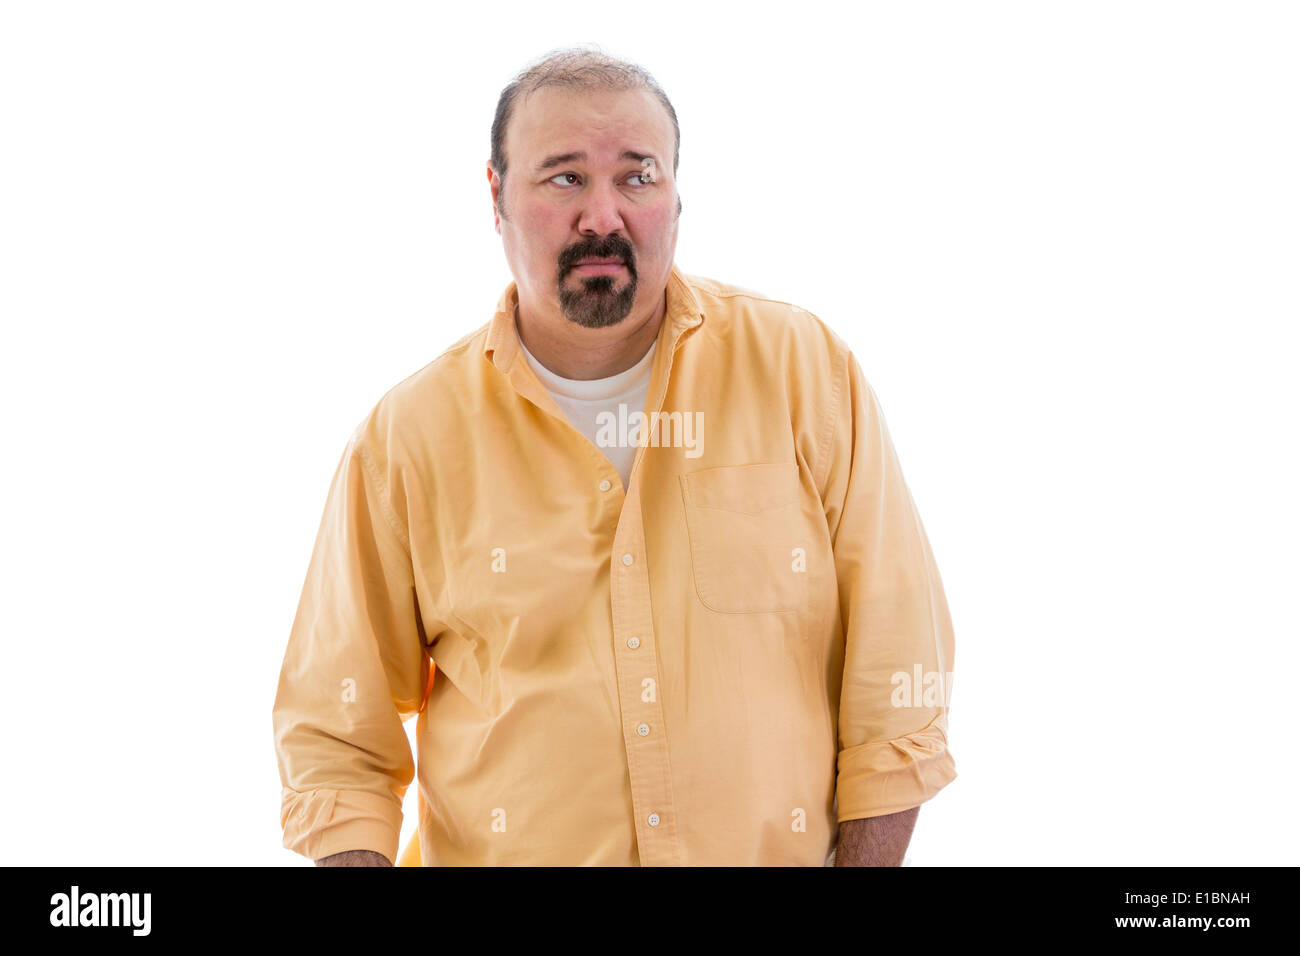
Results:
<point x="716" y="666"/>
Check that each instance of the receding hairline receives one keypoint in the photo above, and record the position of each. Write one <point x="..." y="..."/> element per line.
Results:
<point x="583" y="71"/>
<point x="578" y="70"/>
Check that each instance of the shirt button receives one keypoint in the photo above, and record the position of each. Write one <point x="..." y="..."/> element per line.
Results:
<point x="627" y="559"/>
<point x="643" y="729"/>
<point x="634" y="642"/>
<point x="653" y="819"/>
<point x="605" y="485"/>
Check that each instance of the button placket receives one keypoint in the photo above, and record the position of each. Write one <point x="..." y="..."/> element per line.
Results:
<point x="647" y="751"/>
<point x="649" y="771"/>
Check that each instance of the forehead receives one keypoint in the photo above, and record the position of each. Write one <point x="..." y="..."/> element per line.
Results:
<point x="596" y="121"/>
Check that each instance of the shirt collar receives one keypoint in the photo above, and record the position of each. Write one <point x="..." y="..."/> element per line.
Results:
<point x="683" y="311"/>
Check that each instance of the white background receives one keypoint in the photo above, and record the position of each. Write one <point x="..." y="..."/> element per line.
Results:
<point x="1061" y="238"/>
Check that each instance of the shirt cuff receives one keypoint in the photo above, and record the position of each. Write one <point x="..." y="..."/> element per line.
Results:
<point x="889" y="776"/>
<point x="320" y="823"/>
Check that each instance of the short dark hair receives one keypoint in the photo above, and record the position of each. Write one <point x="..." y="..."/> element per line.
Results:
<point x="580" y="68"/>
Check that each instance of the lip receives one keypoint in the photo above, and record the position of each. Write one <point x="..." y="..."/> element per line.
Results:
<point x="599" y="267"/>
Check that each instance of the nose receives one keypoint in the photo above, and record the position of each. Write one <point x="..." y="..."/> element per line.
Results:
<point x="600" y="213"/>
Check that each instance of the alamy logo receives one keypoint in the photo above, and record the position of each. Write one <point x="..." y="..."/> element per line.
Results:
<point x="101" y="909"/>
<point x="658" y="429"/>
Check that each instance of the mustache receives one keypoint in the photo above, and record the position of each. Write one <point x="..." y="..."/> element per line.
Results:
<point x="611" y="248"/>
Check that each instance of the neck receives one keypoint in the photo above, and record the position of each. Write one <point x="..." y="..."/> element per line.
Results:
<point x="571" y="351"/>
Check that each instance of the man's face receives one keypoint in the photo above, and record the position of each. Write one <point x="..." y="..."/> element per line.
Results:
<point x="562" y="208"/>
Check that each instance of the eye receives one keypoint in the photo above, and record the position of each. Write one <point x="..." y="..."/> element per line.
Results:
<point x="633" y="179"/>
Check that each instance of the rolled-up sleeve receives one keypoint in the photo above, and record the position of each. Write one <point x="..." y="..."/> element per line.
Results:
<point x="355" y="669"/>
<point x="898" y="637"/>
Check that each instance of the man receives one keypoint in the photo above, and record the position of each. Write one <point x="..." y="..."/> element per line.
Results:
<point x="638" y="552"/>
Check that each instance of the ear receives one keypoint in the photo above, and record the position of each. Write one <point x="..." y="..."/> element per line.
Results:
<point x="494" y="187"/>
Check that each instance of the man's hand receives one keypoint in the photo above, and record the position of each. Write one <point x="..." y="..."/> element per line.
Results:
<point x="876" y="841"/>
<point x="354" y="858"/>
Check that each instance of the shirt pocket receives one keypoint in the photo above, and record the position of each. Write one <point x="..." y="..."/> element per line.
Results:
<point x="747" y="537"/>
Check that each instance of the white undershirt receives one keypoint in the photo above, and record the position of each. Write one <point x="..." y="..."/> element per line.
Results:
<point x="592" y="405"/>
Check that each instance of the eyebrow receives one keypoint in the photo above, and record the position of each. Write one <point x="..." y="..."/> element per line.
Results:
<point x="559" y="159"/>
